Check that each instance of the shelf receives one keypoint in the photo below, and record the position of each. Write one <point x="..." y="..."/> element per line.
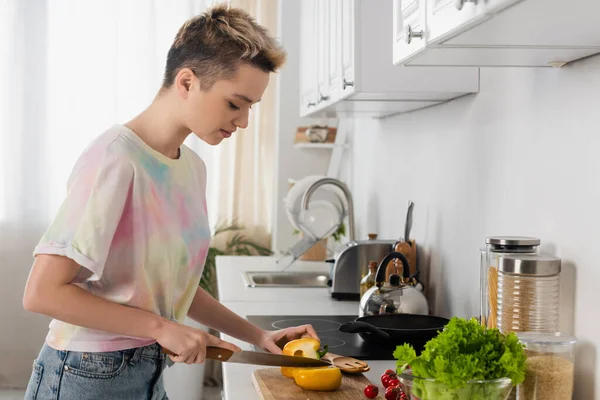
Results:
<point x="316" y="145"/>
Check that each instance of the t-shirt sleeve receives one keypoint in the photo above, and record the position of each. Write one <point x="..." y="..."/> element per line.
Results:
<point x="86" y="223"/>
<point x="199" y="167"/>
<point x="202" y="180"/>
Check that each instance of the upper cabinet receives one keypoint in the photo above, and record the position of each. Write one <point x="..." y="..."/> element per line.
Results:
<point x="308" y="68"/>
<point x="495" y="33"/>
<point x="346" y="64"/>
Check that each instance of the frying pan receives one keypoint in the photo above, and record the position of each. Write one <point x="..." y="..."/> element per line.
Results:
<point x="396" y="329"/>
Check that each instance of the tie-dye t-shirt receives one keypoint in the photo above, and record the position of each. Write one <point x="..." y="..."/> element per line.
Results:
<point x="136" y="221"/>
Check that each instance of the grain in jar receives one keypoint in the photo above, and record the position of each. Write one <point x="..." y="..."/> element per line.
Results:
<point x="550" y="366"/>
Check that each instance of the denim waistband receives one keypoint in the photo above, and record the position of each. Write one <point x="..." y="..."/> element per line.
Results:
<point x="153" y="351"/>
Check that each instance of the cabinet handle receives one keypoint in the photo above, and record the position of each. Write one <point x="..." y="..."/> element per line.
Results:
<point x="323" y="98"/>
<point x="346" y="84"/>
<point x="409" y="34"/>
<point x="310" y="104"/>
<point x="460" y="3"/>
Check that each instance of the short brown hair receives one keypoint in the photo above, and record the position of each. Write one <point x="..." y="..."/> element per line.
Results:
<point x="214" y="43"/>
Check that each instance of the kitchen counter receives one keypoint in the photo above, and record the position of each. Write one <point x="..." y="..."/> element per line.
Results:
<point x="274" y="301"/>
<point x="232" y="286"/>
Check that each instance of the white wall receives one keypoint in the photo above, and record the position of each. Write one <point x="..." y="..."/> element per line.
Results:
<point x="21" y="333"/>
<point x="522" y="157"/>
<point x="291" y="163"/>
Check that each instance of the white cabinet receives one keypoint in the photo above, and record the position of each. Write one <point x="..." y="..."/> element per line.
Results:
<point x="347" y="65"/>
<point x="347" y="47"/>
<point x="308" y="60"/>
<point x="408" y="28"/>
<point x="308" y="57"/>
<point x="495" y="33"/>
<point x="447" y="16"/>
<point x="334" y="63"/>
<point x="323" y="42"/>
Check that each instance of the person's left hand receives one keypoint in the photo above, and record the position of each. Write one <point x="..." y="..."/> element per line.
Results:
<point x="273" y="341"/>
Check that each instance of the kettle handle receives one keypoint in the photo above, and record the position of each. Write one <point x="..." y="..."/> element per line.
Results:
<point x="363" y="327"/>
<point x="380" y="275"/>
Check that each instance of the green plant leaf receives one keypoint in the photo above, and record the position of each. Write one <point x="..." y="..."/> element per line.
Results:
<point x="238" y="245"/>
<point x="340" y="232"/>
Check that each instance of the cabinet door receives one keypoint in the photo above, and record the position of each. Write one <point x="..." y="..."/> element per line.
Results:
<point x="323" y="48"/>
<point x="348" y="47"/>
<point x="334" y="64"/>
<point x="493" y="6"/>
<point x="446" y="17"/>
<point x="410" y="33"/>
<point x="308" y="57"/>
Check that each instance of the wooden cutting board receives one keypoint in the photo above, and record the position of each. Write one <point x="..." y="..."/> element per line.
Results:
<point x="271" y="385"/>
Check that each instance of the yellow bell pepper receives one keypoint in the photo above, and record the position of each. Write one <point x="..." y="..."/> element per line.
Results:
<point x="303" y="347"/>
<point x="319" y="378"/>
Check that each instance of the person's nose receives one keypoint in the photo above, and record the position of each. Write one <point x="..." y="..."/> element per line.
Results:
<point x="242" y="120"/>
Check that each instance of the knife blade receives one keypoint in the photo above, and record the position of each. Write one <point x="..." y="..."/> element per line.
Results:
<point x="258" y="358"/>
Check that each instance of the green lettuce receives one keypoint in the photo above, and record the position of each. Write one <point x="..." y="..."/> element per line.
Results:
<point x="462" y="352"/>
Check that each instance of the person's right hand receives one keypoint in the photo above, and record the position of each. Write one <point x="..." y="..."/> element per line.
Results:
<point x="189" y="343"/>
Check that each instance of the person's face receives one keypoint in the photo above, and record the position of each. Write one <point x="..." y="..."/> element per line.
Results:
<point x="215" y="114"/>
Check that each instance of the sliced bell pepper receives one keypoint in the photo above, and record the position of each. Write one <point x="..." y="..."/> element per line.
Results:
<point x="319" y="378"/>
<point x="303" y="347"/>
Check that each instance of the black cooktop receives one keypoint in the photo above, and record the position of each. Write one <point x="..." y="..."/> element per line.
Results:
<point x="326" y="326"/>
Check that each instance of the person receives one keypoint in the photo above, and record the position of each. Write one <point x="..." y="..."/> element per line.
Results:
<point x="119" y="267"/>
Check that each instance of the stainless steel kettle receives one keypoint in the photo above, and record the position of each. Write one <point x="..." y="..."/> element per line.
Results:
<point x="398" y="296"/>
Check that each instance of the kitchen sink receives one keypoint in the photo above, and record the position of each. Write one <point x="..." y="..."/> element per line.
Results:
<point x="300" y="279"/>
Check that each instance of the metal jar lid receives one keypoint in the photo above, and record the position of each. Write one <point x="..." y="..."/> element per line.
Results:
<point x="512" y="241"/>
<point x="529" y="264"/>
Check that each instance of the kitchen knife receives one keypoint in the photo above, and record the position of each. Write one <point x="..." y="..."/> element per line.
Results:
<point x="408" y="222"/>
<point x="258" y="358"/>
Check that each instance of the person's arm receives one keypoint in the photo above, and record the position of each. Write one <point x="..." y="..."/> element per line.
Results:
<point x="49" y="291"/>
<point x="206" y="310"/>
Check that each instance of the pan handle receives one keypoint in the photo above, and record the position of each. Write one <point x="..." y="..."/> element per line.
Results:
<point x="360" y="327"/>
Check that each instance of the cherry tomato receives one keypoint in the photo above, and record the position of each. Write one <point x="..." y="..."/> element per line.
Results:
<point x="392" y="393"/>
<point x="391" y="373"/>
<point x="371" y="391"/>
<point x="403" y="396"/>
<point x="385" y="380"/>
<point x="394" y="382"/>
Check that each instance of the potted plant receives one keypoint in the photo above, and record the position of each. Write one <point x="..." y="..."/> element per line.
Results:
<point x="238" y="245"/>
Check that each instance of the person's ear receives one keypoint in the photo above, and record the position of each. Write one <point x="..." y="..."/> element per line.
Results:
<point x="184" y="82"/>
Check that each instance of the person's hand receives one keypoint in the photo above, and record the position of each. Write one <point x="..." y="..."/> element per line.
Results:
<point x="273" y="341"/>
<point x="189" y="344"/>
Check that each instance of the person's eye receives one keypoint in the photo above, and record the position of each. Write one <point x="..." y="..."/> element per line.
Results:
<point x="233" y="106"/>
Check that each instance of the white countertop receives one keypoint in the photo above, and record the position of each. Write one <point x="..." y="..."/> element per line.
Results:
<point x="274" y="301"/>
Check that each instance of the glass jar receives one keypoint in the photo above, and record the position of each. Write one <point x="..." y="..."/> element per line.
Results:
<point x="550" y="366"/>
<point x="496" y="246"/>
<point x="528" y="293"/>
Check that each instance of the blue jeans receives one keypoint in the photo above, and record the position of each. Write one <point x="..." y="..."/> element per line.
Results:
<point x="134" y="374"/>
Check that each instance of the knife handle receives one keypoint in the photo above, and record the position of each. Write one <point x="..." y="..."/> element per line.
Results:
<point x="218" y="353"/>
<point x="212" y="352"/>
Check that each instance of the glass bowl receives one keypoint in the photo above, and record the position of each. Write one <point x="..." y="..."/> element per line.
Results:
<point x="429" y="389"/>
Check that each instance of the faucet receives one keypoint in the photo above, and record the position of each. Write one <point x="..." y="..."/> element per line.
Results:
<point x="335" y="182"/>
